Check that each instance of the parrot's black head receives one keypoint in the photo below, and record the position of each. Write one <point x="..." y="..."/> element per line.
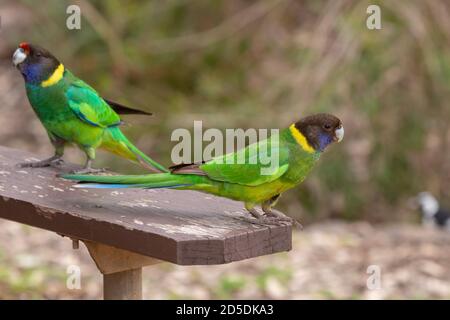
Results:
<point x="35" y="63"/>
<point x="319" y="130"/>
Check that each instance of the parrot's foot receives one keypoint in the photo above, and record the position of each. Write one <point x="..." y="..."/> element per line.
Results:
<point x="272" y="218"/>
<point x="88" y="171"/>
<point x="254" y="213"/>
<point x="279" y="216"/>
<point x="53" y="161"/>
<point x="290" y="220"/>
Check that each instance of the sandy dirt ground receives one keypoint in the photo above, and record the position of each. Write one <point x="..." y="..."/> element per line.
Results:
<point x="329" y="260"/>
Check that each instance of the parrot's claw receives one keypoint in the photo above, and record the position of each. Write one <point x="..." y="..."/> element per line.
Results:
<point x="41" y="164"/>
<point x="263" y="221"/>
<point x="271" y="217"/>
<point x="258" y="222"/>
<point x="88" y="171"/>
<point x="279" y="216"/>
<point x="281" y="220"/>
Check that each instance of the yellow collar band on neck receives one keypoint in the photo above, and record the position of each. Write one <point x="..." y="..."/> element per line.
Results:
<point x="55" y="77"/>
<point x="301" y="139"/>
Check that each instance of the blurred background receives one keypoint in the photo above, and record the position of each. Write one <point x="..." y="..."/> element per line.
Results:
<point x="259" y="64"/>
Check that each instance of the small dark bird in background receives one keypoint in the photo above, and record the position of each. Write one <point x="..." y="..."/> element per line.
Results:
<point x="432" y="213"/>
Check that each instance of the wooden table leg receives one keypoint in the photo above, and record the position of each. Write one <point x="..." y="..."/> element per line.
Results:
<point x="124" y="285"/>
<point x="121" y="269"/>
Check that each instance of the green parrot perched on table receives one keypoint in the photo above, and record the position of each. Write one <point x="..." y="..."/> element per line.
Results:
<point x="298" y="147"/>
<point x="73" y="112"/>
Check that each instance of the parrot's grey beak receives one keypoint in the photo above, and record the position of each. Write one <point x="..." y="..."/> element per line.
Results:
<point x="339" y="133"/>
<point x="19" y="56"/>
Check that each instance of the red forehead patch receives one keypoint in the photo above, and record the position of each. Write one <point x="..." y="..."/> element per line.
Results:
<point x="25" y="46"/>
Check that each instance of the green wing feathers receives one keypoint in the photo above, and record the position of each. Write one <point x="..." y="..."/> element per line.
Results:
<point x="245" y="166"/>
<point x="90" y="107"/>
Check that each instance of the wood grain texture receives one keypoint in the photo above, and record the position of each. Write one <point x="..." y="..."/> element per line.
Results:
<point x="183" y="227"/>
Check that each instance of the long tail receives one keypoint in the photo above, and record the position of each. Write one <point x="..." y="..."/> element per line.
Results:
<point x="116" y="142"/>
<point x="149" y="181"/>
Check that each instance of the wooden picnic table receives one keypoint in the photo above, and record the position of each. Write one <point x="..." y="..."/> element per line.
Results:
<point x="125" y="230"/>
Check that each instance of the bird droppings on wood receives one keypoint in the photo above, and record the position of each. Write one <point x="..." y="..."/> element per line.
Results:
<point x="56" y="189"/>
<point x="193" y="230"/>
<point x="176" y="226"/>
<point x="132" y="204"/>
<point x="149" y="200"/>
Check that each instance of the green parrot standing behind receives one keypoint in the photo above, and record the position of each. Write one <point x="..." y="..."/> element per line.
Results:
<point x="73" y="112"/>
<point x="298" y="147"/>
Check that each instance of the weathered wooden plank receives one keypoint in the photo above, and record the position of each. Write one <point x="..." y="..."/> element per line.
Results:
<point x="182" y="227"/>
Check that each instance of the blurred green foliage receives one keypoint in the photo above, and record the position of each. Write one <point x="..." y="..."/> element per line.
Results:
<point x="282" y="275"/>
<point x="28" y="281"/>
<point x="228" y="286"/>
<point x="240" y="63"/>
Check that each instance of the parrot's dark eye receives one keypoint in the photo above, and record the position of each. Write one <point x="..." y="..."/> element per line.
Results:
<point x="38" y="54"/>
<point x="327" y="126"/>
